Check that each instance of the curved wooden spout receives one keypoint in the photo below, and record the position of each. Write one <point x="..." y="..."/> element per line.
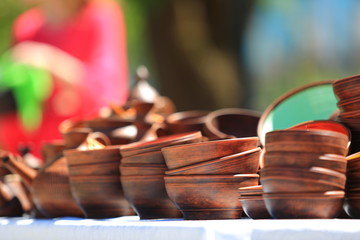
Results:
<point x="15" y="166"/>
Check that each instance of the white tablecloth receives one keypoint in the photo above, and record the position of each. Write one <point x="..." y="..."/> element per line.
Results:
<point x="124" y="228"/>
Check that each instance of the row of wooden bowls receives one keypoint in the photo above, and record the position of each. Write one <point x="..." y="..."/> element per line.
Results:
<point x="203" y="178"/>
<point x="303" y="174"/>
<point x="348" y="94"/>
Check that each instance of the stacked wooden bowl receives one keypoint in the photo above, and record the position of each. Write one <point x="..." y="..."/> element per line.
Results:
<point x="252" y="202"/>
<point x="142" y="175"/>
<point x="352" y="196"/>
<point x="347" y="91"/>
<point x="95" y="182"/>
<point x="203" y="178"/>
<point x="302" y="168"/>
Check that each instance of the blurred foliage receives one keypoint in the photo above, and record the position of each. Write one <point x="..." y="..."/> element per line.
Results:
<point x="9" y="10"/>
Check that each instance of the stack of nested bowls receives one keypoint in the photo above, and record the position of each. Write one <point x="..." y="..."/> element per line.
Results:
<point x="203" y="178"/>
<point x="347" y="91"/>
<point x="95" y="182"/>
<point x="352" y="196"/>
<point x="252" y="202"/>
<point x="304" y="172"/>
<point x="142" y="175"/>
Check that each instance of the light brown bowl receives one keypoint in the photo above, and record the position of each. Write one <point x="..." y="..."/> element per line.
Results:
<point x="239" y="163"/>
<point x="187" y="154"/>
<point x="187" y="121"/>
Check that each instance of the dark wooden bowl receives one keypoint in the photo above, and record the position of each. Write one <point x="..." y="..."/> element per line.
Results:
<point x="153" y="157"/>
<point x="254" y="207"/>
<point x="187" y="154"/>
<point x="148" y="197"/>
<point x="187" y="121"/>
<point x="287" y="179"/>
<point x="142" y="169"/>
<point x="304" y="205"/>
<point x="305" y="160"/>
<point x="208" y="196"/>
<point x="156" y="145"/>
<point x="100" y="196"/>
<point x="231" y="123"/>
<point x="95" y="182"/>
<point x="244" y="162"/>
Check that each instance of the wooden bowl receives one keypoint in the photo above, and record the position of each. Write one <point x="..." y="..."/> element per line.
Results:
<point x="156" y="145"/>
<point x="292" y="179"/>
<point x="148" y="197"/>
<point x="187" y="154"/>
<point x="153" y="157"/>
<point x="305" y="160"/>
<point x="244" y="162"/>
<point x="352" y="205"/>
<point x="315" y="141"/>
<point x="348" y="87"/>
<point x="254" y="207"/>
<point x="95" y="182"/>
<point x="348" y="105"/>
<point x="208" y="196"/>
<point x="328" y="125"/>
<point x="316" y="101"/>
<point x="100" y="196"/>
<point x="231" y="123"/>
<point x="304" y="205"/>
<point x="142" y="169"/>
<point x="107" y="126"/>
<point x="187" y="121"/>
<point x="255" y="190"/>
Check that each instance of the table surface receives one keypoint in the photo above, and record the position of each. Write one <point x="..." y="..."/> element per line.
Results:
<point x="130" y="227"/>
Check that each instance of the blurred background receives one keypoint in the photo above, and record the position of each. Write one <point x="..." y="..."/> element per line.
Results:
<point x="211" y="54"/>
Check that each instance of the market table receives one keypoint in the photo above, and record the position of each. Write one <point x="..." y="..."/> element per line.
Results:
<point x="131" y="227"/>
